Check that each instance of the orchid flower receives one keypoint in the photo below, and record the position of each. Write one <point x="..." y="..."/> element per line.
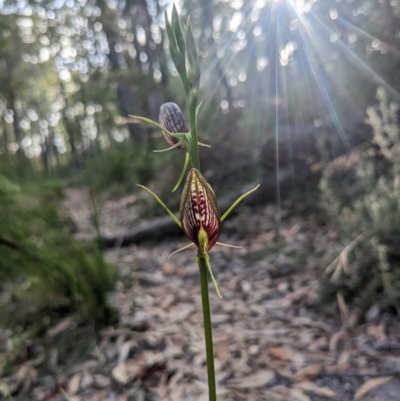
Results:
<point x="174" y="130"/>
<point x="200" y="216"/>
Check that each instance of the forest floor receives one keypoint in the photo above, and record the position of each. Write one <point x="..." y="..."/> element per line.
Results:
<point x="273" y="339"/>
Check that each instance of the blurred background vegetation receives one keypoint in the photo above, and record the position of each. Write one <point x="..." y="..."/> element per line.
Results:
<point x="286" y="85"/>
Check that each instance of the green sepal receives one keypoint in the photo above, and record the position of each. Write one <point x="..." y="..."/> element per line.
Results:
<point x="170" y="148"/>
<point x="183" y="136"/>
<point x="237" y="201"/>
<point x="165" y="207"/>
<point x="214" y="281"/>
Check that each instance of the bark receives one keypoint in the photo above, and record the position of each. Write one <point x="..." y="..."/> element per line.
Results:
<point x="68" y="127"/>
<point x="125" y="101"/>
<point x="54" y="149"/>
<point x="4" y="135"/>
<point x="8" y="243"/>
<point x="16" y="121"/>
<point x="209" y="43"/>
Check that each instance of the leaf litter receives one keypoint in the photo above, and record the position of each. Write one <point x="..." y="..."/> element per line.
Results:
<point x="272" y="340"/>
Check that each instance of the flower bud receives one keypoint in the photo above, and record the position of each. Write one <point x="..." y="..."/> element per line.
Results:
<point x="171" y="118"/>
<point x="200" y="215"/>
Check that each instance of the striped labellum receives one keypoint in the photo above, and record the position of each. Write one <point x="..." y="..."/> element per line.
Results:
<point x="171" y="118"/>
<point x="200" y="215"/>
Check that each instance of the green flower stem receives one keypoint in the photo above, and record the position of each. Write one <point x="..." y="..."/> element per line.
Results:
<point x="182" y="176"/>
<point x="212" y="391"/>
<point x="193" y="145"/>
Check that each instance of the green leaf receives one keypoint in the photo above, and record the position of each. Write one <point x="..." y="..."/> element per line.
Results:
<point x="193" y="72"/>
<point x="170" y="34"/>
<point x="179" y="62"/>
<point x="176" y="49"/>
<point x="177" y="28"/>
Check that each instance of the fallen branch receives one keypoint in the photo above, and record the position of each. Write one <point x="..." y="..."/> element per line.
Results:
<point x="160" y="227"/>
<point x="8" y="243"/>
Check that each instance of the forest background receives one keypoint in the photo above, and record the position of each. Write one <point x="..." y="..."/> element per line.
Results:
<point x="300" y="96"/>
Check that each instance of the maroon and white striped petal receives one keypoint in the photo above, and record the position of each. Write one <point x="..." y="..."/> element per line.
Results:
<point x="200" y="215"/>
<point x="171" y="118"/>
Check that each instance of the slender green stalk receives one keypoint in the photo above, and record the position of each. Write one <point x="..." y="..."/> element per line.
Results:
<point x="184" y="55"/>
<point x="182" y="176"/>
<point x="193" y="145"/>
<point x="212" y="391"/>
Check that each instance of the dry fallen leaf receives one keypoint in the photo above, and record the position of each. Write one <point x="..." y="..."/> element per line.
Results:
<point x="126" y="371"/>
<point x="377" y="331"/>
<point x="273" y="396"/>
<point x="123" y="351"/>
<point x="87" y="380"/>
<point x="293" y="297"/>
<point x="63" y="325"/>
<point x="369" y="385"/>
<point x="74" y="398"/>
<point x="220" y="390"/>
<point x="4" y="389"/>
<point x="308" y="371"/>
<point x="344" y="358"/>
<point x="73" y="384"/>
<point x="258" y="379"/>
<point x="255" y="330"/>
<point x="313" y="388"/>
<point x="120" y="374"/>
<point x="279" y="353"/>
<point x="334" y="340"/>
<point x="298" y="395"/>
<point x="101" y="381"/>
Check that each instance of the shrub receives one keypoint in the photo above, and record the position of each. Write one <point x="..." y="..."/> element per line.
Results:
<point x="362" y="193"/>
<point x="40" y="255"/>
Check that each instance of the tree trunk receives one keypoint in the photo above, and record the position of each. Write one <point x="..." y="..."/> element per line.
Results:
<point x="125" y="101"/>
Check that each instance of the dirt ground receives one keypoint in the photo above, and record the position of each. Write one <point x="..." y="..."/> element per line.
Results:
<point x="273" y="340"/>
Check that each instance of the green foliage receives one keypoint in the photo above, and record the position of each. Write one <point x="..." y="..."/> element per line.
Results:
<point x="17" y="169"/>
<point x="48" y="269"/>
<point x="118" y="170"/>
<point x="362" y="193"/>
